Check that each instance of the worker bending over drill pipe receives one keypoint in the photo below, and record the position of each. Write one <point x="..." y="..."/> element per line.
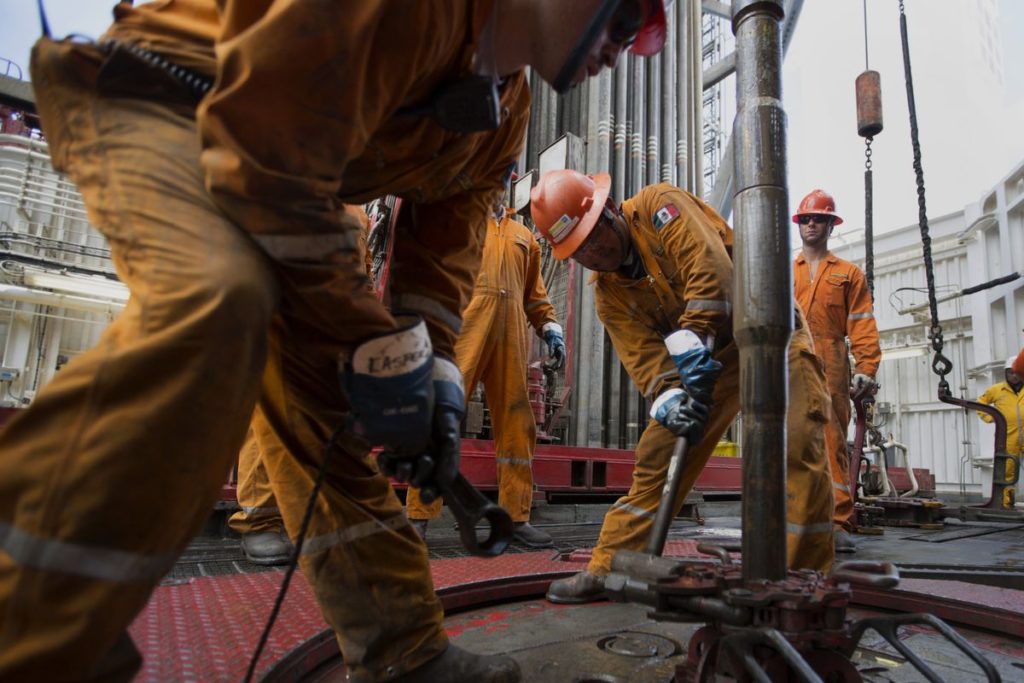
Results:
<point x="213" y="142"/>
<point x="663" y="289"/>
<point x="494" y="347"/>
<point x="834" y="296"/>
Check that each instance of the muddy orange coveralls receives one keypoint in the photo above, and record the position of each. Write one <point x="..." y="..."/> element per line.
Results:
<point x="837" y="304"/>
<point x="687" y="253"/>
<point x="224" y="220"/>
<point x="494" y="348"/>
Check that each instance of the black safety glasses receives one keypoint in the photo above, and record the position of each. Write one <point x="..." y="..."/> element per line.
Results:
<point x="817" y="218"/>
<point x="626" y="22"/>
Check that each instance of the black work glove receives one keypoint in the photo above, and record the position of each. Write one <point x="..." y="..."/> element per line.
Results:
<point x="387" y="381"/>
<point x="680" y="413"/>
<point x="438" y="464"/>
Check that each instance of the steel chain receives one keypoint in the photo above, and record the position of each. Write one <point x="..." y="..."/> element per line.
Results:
<point x="940" y="364"/>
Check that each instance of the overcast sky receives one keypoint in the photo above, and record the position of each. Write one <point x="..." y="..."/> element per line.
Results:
<point x="972" y="129"/>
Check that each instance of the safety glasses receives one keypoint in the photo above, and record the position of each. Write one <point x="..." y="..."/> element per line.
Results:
<point x="817" y="218"/>
<point x="626" y="22"/>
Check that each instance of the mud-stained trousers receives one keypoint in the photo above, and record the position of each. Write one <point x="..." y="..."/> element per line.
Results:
<point x="808" y="480"/>
<point x="259" y="511"/>
<point x="118" y="462"/>
<point x="493" y="348"/>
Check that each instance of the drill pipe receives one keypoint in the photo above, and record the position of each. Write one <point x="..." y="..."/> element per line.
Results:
<point x="763" y="288"/>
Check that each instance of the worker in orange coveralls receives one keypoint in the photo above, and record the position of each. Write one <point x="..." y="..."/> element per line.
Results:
<point x="835" y="298"/>
<point x="494" y="347"/>
<point x="213" y="142"/>
<point x="663" y="290"/>
<point x="258" y="519"/>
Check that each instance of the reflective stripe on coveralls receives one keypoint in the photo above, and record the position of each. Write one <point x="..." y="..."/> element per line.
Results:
<point x="837" y="304"/>
<point x="153" y="416"/>
<point x="1011" y="405"/>
<point x="689" y="256"/>
<point x="494" y="348"/>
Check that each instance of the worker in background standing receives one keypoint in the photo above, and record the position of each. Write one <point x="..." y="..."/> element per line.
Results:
<point x="1008" y="397"/>
<point x="835" y="298"/>
<point x="494" y="347"/>
<point x="258" y="519"/>
<point x="213" y="142"/>
<point x="663" y="290"/>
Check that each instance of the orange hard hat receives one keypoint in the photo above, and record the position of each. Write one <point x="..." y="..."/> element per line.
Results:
<point x="651" y="36"/>
<point x="566" y="205"/>
<point x="818" y="203"/>
<point x="1018" y="363"/>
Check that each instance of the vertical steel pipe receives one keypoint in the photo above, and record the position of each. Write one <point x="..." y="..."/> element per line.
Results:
<point x="653" y="164"/>
<point x="763" y="289"/>
<point x="668" y="95"/>
<point x="638" y="94"/>
<point x="588" y="377"/>
<point x="621" y="143"/>
<point x="689" y="158"/>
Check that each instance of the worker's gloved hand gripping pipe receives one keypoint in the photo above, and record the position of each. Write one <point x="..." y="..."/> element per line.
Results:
<point x="684" y="410"/>
<point x="410" y="402"/>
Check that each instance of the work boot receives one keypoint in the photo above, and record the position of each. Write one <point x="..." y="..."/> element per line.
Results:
<point x="843" y="541"/>
<point x="456" y="665"/>
<point x="420" y="525"/>
<point x="527" y="534"/>
<point x="578" y="588"/>
<point x="267" y="547"/>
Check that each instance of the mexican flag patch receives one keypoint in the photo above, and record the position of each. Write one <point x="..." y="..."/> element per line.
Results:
<point x="665" y="215"/>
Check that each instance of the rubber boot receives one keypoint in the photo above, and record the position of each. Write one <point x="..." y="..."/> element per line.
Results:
<point x="578" y="588"/>
<point x="267" y="547"/>
<point x="456" y="665"/>
<point x="527" y="534"/>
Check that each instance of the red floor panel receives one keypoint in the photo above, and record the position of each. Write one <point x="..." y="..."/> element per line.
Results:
<point x="207" y="628"/>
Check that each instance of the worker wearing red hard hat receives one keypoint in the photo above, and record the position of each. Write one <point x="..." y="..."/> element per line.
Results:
<point x="835" y="298"/>
<point x="663" y="290"/>
<point x="214" y="142"/>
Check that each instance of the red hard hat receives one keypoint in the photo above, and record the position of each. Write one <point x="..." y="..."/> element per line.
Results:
<point x="818" y="203"/>
<point x="651" y="36"/>
<point x="566" y="206"/>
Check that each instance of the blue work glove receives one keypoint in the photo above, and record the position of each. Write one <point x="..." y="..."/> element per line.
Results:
<point x="556" y="345"/>
<point x="387" y="381"/>
<point x="680" y="413"/>
<point x="697" y="369"/>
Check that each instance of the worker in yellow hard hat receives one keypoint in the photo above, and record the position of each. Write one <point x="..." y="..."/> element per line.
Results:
<point x="213" y="142"/>
<point x="834" y="296"/>
<point x="663" y="289"/>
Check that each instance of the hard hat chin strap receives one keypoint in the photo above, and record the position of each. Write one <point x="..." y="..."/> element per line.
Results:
<point x="579" y="52"/>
